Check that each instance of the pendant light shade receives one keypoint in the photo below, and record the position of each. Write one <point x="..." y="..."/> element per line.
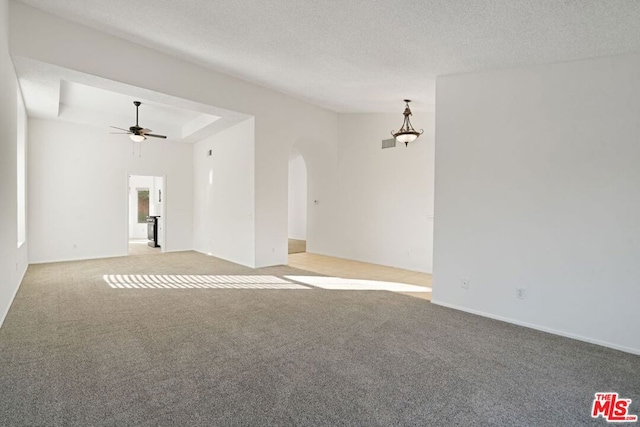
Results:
<point x="406" y="133"/>
<point x="137" y="138"/>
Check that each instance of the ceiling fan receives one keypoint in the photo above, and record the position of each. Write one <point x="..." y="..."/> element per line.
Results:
<point x="137" y="133"/>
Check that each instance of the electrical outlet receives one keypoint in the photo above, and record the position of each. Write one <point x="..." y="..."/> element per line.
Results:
<point x="521" y="293"/>
<point x="464" y="283"/>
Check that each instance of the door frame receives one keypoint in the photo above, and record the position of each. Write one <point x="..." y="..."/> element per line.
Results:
<point x="163" y="210"/>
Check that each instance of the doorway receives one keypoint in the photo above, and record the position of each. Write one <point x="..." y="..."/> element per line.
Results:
<point x="146" y="225"/>
<point x="297" y="229"/>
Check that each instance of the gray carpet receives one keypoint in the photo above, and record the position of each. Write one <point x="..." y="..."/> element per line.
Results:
<point x="74" y="351"/>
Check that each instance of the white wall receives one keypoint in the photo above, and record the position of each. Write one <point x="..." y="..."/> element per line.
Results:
<point x="78" y="184"/>
<point x="538" y="187"/>
<point x="280" y="121"/>
<point x="155" y="198"/>
<point x="386" y="196"/>
<point x="297" y="198"/>
<point x="21" y="165"/>
<point x="224" y="195"/>
<point x="13" y="259"/>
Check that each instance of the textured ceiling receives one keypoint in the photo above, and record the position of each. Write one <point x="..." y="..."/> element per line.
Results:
<point x="364" y="55"/>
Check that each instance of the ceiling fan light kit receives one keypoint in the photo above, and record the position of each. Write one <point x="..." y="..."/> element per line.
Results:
<point x="137" y="133"/>
<point x="407" y="133"/>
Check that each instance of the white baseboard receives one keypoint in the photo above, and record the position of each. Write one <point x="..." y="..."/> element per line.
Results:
<point x="49" y="261"/>
<point x="366" y="261"/>
<point x="15" y="292"/>
<point x="540" y="328"/>
<point x="226" y="259"/>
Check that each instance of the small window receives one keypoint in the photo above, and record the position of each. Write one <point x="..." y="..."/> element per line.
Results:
<point x="143" y="205"/>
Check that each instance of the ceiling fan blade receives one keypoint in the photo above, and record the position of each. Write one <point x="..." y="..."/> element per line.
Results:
<point x="137" y="131"/>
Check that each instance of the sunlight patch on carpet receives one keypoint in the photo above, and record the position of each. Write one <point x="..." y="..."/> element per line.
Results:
<point x="337" y="283"/>
<point x="191" y="281"/>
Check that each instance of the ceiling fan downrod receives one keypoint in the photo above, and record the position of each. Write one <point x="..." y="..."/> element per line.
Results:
<point x="137" y="104"/>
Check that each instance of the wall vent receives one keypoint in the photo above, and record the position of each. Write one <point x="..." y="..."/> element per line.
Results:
<point x="388" y="143"/>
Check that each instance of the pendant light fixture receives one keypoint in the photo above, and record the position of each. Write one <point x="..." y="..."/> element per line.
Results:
<point x="406" y="133"/>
